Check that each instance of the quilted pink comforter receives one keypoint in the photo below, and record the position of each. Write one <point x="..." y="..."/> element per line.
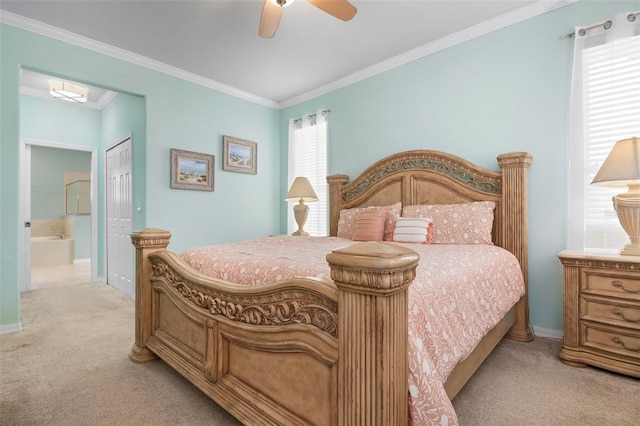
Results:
<point x="459" y="294"/>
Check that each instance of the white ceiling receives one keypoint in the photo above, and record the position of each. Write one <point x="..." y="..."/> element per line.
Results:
<point x="216" y="43"/>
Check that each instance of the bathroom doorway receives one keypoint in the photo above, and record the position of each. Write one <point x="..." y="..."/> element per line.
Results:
<point x="59" y="209"/>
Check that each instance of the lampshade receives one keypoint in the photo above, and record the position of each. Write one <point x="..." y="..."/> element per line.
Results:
<point x="68" y="91"/>
<point x="621" y="166"/>
<point x="301" y="189"/>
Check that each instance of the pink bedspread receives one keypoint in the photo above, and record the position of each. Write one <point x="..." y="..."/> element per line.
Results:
<point x="459" y="294"/>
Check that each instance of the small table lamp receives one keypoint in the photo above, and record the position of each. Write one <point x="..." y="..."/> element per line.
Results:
<point x="622" y="168"/>
<point x="302" y="191"/>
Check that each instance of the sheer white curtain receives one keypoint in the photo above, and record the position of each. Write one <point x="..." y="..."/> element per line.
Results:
<point x="605" y="108"/>
<point x="308" y="158"/>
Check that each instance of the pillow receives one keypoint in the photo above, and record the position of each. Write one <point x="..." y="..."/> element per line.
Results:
<point x="349" y="218"/>
<point x="412" y="230"/>
<point x="466" y="223"/>
<point x="370" y="225"/>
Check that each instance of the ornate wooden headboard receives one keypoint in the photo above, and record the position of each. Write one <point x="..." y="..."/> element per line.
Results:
<point x="434" y="177"/>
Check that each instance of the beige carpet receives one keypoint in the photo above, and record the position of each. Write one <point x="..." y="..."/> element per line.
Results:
<point x="69" y="367"/>
<point x="526" y="384"/>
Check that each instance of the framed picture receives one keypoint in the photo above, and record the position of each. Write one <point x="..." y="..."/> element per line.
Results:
<point x="240" y="155"/>
<point x="191" y="170"/>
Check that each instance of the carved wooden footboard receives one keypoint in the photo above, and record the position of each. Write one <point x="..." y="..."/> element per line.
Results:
<point x="269" y="355"/>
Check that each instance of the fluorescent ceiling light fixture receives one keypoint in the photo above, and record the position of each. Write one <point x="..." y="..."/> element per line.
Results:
<point x="68" y="91"/>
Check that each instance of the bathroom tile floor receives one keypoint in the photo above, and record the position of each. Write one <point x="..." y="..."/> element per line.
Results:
<point x="60" y="275"/>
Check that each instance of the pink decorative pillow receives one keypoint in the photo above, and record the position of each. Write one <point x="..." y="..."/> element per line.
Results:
<point x="412" y="230"/>
<point x="370" y="225"/>
<point x="349" y="219"/>
<point x="466" y="223"/>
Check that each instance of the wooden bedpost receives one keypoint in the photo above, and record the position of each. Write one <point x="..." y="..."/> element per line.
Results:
<point x="336" y="182"/>
<point x="146" y="242"/>
<point x="373" y="280"/>
<point x="516" y="229"/>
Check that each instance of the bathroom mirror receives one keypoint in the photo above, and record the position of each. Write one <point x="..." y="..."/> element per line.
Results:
<point x="78" y="197"/>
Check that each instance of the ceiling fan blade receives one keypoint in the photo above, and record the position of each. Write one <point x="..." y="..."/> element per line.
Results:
<point x="341" y="9"/>
<point x="269" y="20"/>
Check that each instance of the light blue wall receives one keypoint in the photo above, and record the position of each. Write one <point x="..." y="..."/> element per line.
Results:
<point x="82" y="237"/>
<point x="47" y="179"/>
<point x="180" y="115"/>
<point x="52" y="121"/>
<point x="125" y="116"/>
<point x="55" y="122"/>
<point x="59" y="122"/>
<point x="48" y="166"/>
<point x="506" y="91"/>
<point x="62" y="123"/>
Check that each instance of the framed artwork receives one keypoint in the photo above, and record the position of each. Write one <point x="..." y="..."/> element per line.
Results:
<point x="191" y="170"/>
<point x="240" y="155"/>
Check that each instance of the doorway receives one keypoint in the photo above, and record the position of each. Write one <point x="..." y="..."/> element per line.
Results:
<point x="59" y="241"/>
<point x="105" y="116"/>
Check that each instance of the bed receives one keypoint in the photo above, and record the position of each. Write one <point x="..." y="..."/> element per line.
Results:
<point x="331" y="346"/>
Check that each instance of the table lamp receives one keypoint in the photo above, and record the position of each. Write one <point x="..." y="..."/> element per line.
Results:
<point x="301" y="191"/>
<point x="622" y="168"/>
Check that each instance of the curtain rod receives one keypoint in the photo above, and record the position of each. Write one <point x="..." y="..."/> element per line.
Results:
<point x="310" y="116"/>
<point x="606" y="25"/>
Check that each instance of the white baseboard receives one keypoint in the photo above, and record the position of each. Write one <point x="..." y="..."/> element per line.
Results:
<point x="87" y="260"/>
<point x="10" y="328"/>
<point x="546" y="332"/>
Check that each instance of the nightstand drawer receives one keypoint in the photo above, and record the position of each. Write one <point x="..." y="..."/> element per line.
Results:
<point x="612" y="340"/>
<point x="601" y="311"/>
<point x="624" y="314"/>
<point x="613" y="284"/>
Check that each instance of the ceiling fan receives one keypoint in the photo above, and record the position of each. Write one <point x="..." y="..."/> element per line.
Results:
<point x="272" y="11"/>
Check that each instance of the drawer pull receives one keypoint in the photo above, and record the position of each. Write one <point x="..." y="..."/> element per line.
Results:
<point x="619" y="312"/>
<point x="621" y="343"/>
<point x="620" y="284"/>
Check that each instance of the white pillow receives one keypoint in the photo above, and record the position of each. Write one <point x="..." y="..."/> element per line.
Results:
<point x="412" y="230"/>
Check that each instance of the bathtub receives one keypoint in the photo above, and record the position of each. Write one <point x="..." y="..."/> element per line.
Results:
<point x="51" y="250"/>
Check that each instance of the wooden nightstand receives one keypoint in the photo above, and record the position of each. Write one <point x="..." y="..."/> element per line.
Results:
<point x="601" y="311"/>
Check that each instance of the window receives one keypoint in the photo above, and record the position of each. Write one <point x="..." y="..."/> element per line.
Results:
<point x="308" y="158"/>
<point x="605" y="108"/>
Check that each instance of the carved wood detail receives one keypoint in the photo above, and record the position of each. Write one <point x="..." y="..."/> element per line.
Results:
<point x="373" y="280"/>
<point x="146" y="242"/>
<point x="514" y="232"/>
<point x="287" y="306"/>
<point x="428" y="161"/>
<point x="601" y="290"/>
<point x="597" y="264"/>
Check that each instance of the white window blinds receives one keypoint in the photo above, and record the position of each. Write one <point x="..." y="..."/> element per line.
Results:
<point x="308" y="158"/>
<point x="605" y="109"/>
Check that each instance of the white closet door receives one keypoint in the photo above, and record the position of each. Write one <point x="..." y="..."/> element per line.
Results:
<point x="119" y="222"/>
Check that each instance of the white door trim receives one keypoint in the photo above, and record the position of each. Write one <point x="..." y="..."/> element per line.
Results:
<point x="24" y="256"/>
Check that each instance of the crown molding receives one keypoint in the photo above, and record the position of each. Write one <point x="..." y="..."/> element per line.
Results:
<point x="37" y="27"/>
<point x="538" y="8"/>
